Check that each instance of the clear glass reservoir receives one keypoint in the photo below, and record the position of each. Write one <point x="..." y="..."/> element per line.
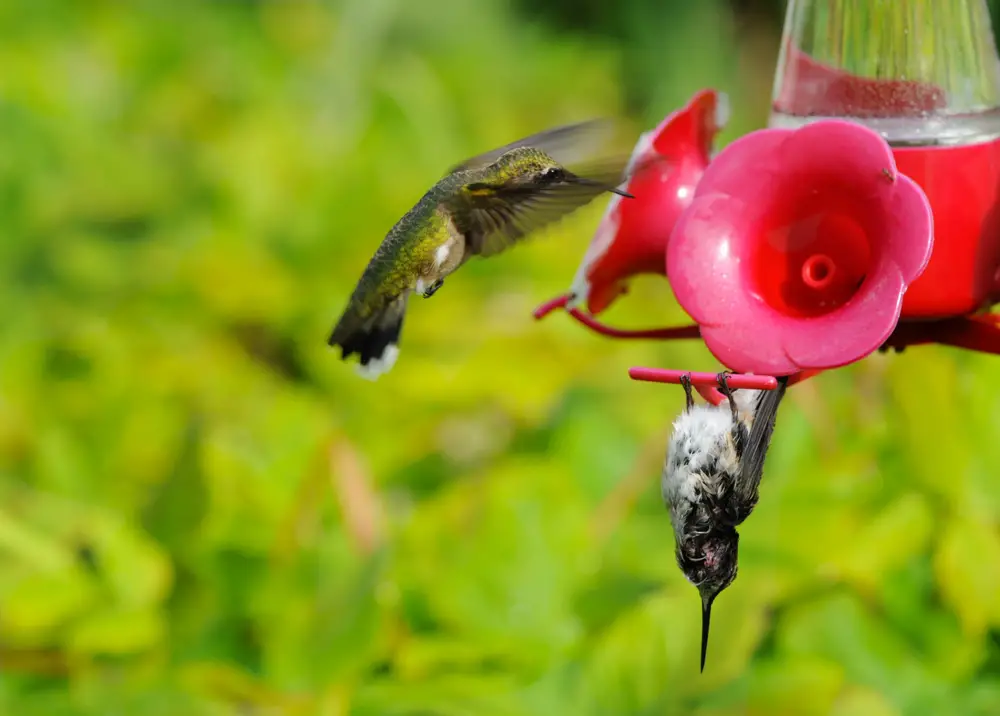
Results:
<point x="920" y="72"/>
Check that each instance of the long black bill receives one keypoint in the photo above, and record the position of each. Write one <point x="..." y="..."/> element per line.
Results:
<point x="612" y="189"/>
<point x="706" y="619"/>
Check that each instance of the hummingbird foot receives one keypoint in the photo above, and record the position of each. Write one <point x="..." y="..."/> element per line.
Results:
<point x="685" y="381"/>
<point x="433" y="288"/>
<point x="723" y="379"/>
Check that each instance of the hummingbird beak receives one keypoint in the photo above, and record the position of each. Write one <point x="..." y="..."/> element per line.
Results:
<point x="612" y="189"/>
<point x="706" y="619"/>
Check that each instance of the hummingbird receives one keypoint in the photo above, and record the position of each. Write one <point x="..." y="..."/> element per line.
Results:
<point x="479" y="208"/>
<point x="710" y="481"/>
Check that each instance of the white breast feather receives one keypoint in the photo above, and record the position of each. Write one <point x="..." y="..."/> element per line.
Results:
<point x="698" y="435"/>
<point x="441" y="254"/>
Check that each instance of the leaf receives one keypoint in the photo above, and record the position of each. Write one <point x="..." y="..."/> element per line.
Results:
<point x="937" y="458"/>
<point x="136" y="569"/>
<point x="897" y="534"/>
<point x="176" y="509"/>
<point x="981" y="698"/>
<point x="116" y="632"/>
<point x="429" y="657"/>
<point x="453" y="695"/>
<point x="859" y="700"/>
<point x="839" y="629"/>
<point x="593" y="444"/>
<point x="804" y="686"/>
<point x="325" y="621"/>
<point x="610" y="596"/>
<point x="648" y="659"/>
<point x="38" y="604"/>
<point x="910" y="605"/>
<point x="228" y="684"/>
<point x="484" y="578"/>
<point x="19" y="542"/>
<point x="967" y="571"/>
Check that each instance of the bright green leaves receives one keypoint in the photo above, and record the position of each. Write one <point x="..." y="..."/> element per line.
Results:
<point x="887" y="542"/>
<point x="93" y="588"/>
<point x="967" y="568"/>
<point x="516" y="585"/>
<point x="117" y="632"/>
<point x="33" y="607"/>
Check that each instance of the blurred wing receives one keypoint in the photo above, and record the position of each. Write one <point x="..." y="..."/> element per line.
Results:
<point x="497" y="216"/>
<point x="568" y="144"/>
<point x="758" y="441"/>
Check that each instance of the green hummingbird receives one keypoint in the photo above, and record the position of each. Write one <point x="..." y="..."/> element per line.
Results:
<point x="481" y="207"/>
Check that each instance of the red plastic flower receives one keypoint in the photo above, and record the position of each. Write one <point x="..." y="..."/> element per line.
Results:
<point x="632" y="236"/>
<point x="798" y="247"/>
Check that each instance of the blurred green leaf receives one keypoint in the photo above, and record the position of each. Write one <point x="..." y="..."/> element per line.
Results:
<point x="116" y="632"/>
<point x="906" y="596"/>
<point x="649" y="657"/>
<point x="178" y="506"/>
<point x="839" y="628"/>
<point x="459" y="695"/>
<point x="967" y="568"/>
<point x="515" y="586"/>
<point x="135" y="568"/>
<point x="36" y="605"/>
<point x="931" y="452"/>
<point x="227" y="685"/>
<point x="982" y="697"/>
<point x="327" y="623"/>
<point x="21" y="543"/>
<point x="613" y="595"/>
<point x="858" y="700"/>
<point x="897" y="534"/>
<point x="806" y="686"/>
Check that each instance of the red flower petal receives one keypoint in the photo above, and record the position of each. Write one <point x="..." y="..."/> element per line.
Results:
<point x="798" y="247"/>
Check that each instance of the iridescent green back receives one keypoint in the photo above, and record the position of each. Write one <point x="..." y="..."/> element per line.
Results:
<point x="406" y="250"/>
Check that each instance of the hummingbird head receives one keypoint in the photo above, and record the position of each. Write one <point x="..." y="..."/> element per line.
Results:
<point x="533" y="170"/>
<point x="709" y="561"/>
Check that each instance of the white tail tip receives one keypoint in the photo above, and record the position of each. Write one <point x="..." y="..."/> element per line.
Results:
<point x="380" y="365"/>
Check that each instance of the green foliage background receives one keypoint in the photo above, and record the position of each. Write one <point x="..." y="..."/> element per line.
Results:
<point x="203" y="511"/>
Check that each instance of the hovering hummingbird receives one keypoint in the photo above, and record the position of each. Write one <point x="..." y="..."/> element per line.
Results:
<point x="481" y="207"/>
<point x="710" y="483"/>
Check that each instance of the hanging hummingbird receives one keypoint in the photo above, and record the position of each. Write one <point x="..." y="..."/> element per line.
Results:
<point x="480" y="208"/>
<point x="710" y="483"/>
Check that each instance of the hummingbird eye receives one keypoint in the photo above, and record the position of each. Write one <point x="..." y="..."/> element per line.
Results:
<point x="552" y="174"/>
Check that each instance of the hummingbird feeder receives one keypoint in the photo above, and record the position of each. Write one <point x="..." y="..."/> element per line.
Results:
<point x="865" y="217"/>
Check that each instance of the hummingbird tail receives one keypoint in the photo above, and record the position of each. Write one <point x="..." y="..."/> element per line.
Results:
<point x="376" y="340"/>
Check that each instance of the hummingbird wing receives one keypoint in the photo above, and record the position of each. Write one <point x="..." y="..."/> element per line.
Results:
<point x="494" y="216"/>
<point x="568" y="144"/>
<point x="758" y="441"/>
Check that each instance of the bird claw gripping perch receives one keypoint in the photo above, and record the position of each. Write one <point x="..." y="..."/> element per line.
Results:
<point x="710" y="386"/>
<point x="685" y="380"/>
<point x="709" y="392"/>
<point x="707" y="384"/>
<point x="723" y="380"/>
